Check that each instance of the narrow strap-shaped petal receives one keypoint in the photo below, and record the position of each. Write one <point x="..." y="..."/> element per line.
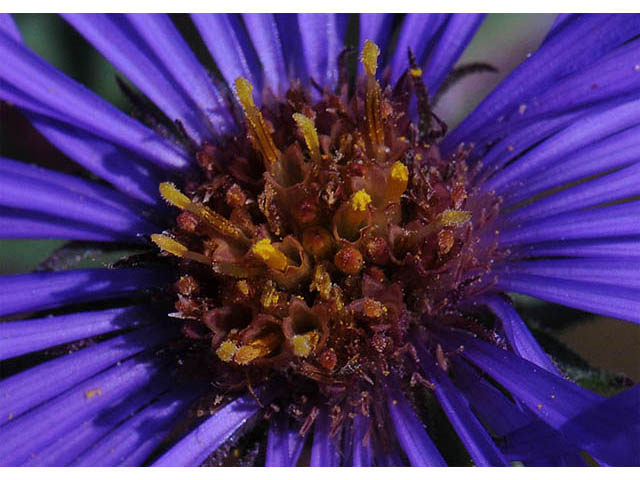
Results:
<point x="21" y="224"/>
<point x="164" y="40"/>
<point x="263" y="31"/>
<point x="322" y="40"/>
<point x="362" y="453"/>
<point x="324" y="450"/>
<point x="458" y="32"/>
<point x="613" y="152"/>
<point x="582" y="132"/>
<point x="31" y="387"/>
<point x="519" y="336"/>
<point x="410" y="432"/>
<point x="8" y="26"/>
<point x="224" y="35"/>
<point x="558" y="402"/>
<point x="613" y="221"/>
<point x="418" y="32"/>
<point x="196" y="446"/>
<point x="62" y="451"/>
<point x="475" y="438"/>
<point x="121" y="168"/>
<point x="20" y="337"/>
<point x="113" y="37"/>
<point x="580" y="43"/>
<point x="292" y="48"/>
<point x="31" y="432"/>
<point x="70" y="198"/>
<point x="75" y="104"/>
<point x="284" y="443"/>
<point x="613" y="300"/>
<point x="39" y="291"/>
<point x="132" y="442"/>
<point x="620" y="185"/>
<point x="605" y="248"/>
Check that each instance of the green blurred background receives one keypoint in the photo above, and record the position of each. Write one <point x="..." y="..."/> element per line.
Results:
<point x="504" y="40"/>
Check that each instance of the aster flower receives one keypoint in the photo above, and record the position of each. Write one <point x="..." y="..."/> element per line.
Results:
<point x="332" y="269"/>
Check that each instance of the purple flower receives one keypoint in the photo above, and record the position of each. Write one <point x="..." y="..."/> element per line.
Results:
<point x="356" y="260"/>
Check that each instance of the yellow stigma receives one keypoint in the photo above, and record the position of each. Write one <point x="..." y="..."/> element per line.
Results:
<point x="257" y="126"/>
<point x="308" y="129"/>
<point x="178" y="199"/>
<point x="454" y="218"/>
<point x="397" y="182"/>
<point x="305" y="344"/>
<point x="360" y="200"/>
<point x="174" y="247"/>
<point x="369" y="57"/>
<point x="270" y="255"/>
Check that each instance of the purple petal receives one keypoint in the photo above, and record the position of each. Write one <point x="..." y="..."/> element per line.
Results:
<point x="294" y="54"/>
<point x="623" y="247"/>
<point x="34" y="430"/>
<point x="322" y="40"/>
<point x="410" y="432"/>
<point x="8" y="26"/>
<point x="613" y="221"/>
<point x="224" y="35"/>
<point x="458" y="32"/>
<point x="284" y="443"/>
<point x="113" y="36"/>
<point x="611" y="300"/>
<point x="131" y="443"/>
<point x="418" y="33"/>
<point x="324" y="451"/>
<point x="264" y="34"/>
<point x="163" y="39"/>
<point x="194" y="448"/>
<point x="69" y="198"/>
<point x="362" y="453"/>
<point x="39" y="291"/>
<point x="519" y="336"/>
<point x="376" y="27"/>
<point x="73" y="103"/>
<point x="31" y="387"/>
<point x="65" y="449"/>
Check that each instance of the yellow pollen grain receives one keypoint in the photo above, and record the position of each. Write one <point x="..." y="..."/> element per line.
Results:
<point x="270" y="255"/>
<point x="373" y="308"/>
<point x="360" y="200"/>
<point x="258" y="348"/>
<point x="93" y="393"/>
<point x="270" y="297"/>
<point x="321" y="282"/>
<point x="305" y="344"/>
<point x="369" y="57"/>
<point x="310" y="134"/>
<point x="226" y="350"/>
<point x="416" y="72"/>
<point x="454" y="218"/>
<point x="243" y="286"/>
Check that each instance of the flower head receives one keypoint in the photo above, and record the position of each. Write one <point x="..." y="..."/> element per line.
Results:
<point x="332" y="267"/>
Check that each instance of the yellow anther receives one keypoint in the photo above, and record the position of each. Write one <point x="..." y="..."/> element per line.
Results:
<point x="369" y="57"/>
<point x="397" y="182"/>
<point x="305" y="344"/>
<point x="270" y="255"/>
<point x="270" y="296"/>
<point x="257" y="126"/>
<point x="416" y="72"/>
<point x="360" y="200"/>
<point x="454" y="218"/>
<point x="227" y="350"/>
<point x="321" y="282"/>
<point x="243" y="286"/>
<point x="178" y="199"/>
<point x="310" y="134"/>
<point x="258" y="348"/>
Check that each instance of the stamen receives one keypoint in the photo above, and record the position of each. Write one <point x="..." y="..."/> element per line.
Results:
<point x="270" y="255"/>
<point x="305" y="344"/>
<point x="321" y="282"/>
<point x="257" y="126"/>
<point x="258" y="348"/>
<point x="178" y="199"/>
<point x="174" y="247"/>
<point x="308" y="129"/>
<point x="454" y="218"/>
<point x="373" y="98"/>
<point x="355" y="214"/>
<point x="397" y="182"/>
<point x="227" y="350"/>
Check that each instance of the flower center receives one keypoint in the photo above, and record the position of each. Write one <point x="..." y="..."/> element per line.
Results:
<point x="316" y="242"/>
